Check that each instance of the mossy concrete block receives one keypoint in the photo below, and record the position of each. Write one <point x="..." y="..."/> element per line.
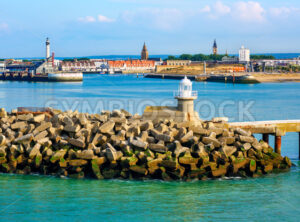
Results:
<point x="78" y="162"/>
<point x="252" y="165"/>
<point x="138" y="169"/>
<point x="38" y="160"/>
<point x="96" y="169"/>
<point x="239" y="163"/>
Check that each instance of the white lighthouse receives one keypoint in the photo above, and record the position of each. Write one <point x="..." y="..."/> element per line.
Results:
<point x="184" y="111"/>
<point x="186" y="96"/>
<point x="47" y="49"/>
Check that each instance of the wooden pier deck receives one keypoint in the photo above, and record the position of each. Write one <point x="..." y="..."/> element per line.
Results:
<point x="278" y="128"/>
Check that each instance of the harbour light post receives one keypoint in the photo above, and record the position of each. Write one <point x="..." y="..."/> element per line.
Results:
<point x="185" y="96"/>
<point x="184" y="111"/>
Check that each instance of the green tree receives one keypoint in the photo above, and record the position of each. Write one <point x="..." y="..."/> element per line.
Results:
<point x="172" y="58"/>
<point x="262" y="57"/>
<point x="199" y="57"/>
<point x="186" y="57"/>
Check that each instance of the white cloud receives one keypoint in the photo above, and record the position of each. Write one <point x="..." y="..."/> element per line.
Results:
<point x="127" y="16"/>
<point x="283" y="11"/>
<point x="243" y="11"/>
<point x="3" y="26"/>
<point x="87" y="19"/>
<point x="216" y="10"/>
<point x="206" y="8"/>
<point x="248" y="11"/>
<point x="221" y="9"/>
<point x="91" y="19"/>
<point x="163" y="19"/>
<point x="102" y="18"/>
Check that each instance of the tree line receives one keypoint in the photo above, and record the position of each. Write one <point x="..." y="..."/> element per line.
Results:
<point x="196" y="57"/>
<point x="78" y="59"/>
<point x="262" y="57"/>
<point x="203" y="57"/>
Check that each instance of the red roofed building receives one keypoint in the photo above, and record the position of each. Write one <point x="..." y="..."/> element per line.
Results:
<point x="131" y="66"/>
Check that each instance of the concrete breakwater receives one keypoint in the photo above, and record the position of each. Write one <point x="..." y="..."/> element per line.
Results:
<point x="50" y="77"/>
<point x="120" y="145"/>
<point x="226" y="78"/>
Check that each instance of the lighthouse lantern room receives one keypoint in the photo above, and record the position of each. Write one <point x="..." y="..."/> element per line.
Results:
<point x="186" y="96"/>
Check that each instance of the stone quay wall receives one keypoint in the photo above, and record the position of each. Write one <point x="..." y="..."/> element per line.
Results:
<point x="120" y="145"/>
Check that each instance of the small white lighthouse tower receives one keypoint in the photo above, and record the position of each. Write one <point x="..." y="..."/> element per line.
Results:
<point x="184" y="110"/>
<point x="47" y="49"/>
<point x="186" y="96"/>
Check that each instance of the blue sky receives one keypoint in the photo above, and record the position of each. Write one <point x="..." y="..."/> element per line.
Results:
<point x="106" y="27"/>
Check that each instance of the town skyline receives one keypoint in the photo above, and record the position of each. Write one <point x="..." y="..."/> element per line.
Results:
<point x="214" y="51"/>
<point x="168" y="27"/>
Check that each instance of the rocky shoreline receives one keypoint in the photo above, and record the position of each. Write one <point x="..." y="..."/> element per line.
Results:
<point x="120" y="145"/>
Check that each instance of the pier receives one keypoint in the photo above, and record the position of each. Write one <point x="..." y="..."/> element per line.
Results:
<point x="226" y="78"/>
<point x="22" y="76"/>
<point x="278" y="128"/>
<point x="172" y="76"/>
<point x="50" y="77"/>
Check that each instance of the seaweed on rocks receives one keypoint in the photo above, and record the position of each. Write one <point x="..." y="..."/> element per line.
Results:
<point x="120" y="145"/>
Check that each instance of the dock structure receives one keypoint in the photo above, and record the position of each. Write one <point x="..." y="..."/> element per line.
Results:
<point x="278" y="128"/>
<point x="48" y="77"/>
<point x="226" y="78"/>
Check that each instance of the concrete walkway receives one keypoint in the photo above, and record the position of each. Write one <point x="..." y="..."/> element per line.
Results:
<point x="276" y="127"/>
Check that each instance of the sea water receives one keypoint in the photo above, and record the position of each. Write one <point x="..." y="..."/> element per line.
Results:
<point x="274" y="197"/>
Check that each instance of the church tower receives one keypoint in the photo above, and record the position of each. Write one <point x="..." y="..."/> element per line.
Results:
<point x="144" y="54"/>
<point x="215" y="48"/>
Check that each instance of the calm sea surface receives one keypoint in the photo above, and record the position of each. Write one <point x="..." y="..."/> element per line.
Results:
<point x="275" y="197"/>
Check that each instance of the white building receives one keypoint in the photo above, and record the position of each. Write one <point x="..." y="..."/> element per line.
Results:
<point x="230" y="59"/>
<point x="101" y="64"/>
<point x="2" y="67"/>
<point x="244" y="54"/>
<point x="158" y="61"/>
<point x="279" y="62"/>
<point x="178" y="62"/>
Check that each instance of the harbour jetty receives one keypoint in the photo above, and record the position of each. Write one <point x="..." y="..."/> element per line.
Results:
<point x="49" y="77"/>
<point x="278" y="128"/>
<point x="226" y="78"/>
<point x="120" y="145"/>
<point x="46" y="70"/>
